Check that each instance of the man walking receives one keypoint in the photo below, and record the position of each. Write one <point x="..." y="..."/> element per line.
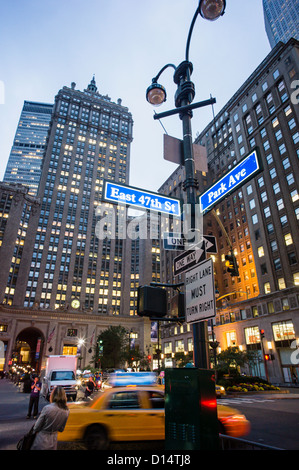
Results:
<point x="34" y="397"/>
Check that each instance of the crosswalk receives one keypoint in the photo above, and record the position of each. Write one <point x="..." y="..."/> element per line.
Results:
<point x="244" y="401"/>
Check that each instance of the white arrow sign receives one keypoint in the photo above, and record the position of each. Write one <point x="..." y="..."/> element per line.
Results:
<point x="188" y="260"/>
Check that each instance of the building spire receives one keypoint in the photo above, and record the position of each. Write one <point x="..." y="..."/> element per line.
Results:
<point x="92" y="86"/>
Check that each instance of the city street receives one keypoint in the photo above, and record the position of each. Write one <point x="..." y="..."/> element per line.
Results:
<point x="274" y="417"/>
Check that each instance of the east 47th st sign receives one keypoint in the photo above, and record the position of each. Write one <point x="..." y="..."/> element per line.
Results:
<point x="138" y="198"/>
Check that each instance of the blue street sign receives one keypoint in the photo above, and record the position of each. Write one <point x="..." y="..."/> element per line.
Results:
<point x="121" y="194"/>
<point x="243" y="171"/>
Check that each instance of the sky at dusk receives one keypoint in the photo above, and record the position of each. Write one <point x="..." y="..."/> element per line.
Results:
<point x="47" y="45"/>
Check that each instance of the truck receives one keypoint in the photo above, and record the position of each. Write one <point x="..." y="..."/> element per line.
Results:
<point x="60" y="371"/>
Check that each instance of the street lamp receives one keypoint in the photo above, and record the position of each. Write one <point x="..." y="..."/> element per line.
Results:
<point x="211" y="10"/>
<point x="184" y="96"/>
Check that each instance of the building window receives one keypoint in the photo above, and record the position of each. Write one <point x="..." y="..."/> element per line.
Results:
<point x="267" y="212"/>
<point x="270" y="228"/>
<point x="260" y="251"/>
<point x="264" y="268"/>
<point x="283" y="332"/>
<point x="252" y="335"/>
<point x="270" y="307"/>
<point x="267" y="288"/>
<point x="254" y="311"/>
<point x="231" y="339"/>
<point x="288" y="239"/>
<point x="277" y="264"/>
<point x="281" y="283"/>
<point x="292" y="258"/>
<point x="290" y="179"/>
<point x="284" y="220"/>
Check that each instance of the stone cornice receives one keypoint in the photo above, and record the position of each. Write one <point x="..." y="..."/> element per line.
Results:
<point x="63" y="315"/>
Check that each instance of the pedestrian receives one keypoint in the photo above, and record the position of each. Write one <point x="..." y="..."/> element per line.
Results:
<point x="89" y="388"/>
<point x="34" y="397"/>
<point x="52" y="420"/>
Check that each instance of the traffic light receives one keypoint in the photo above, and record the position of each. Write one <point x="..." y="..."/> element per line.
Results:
<point x="177" y="305"/>
<point x="151" y="302"/>
<point x="231" y="265"/>
<point x="267" y="357"/>
<point x="262" y="333"/>
<point x="100" y="347"/>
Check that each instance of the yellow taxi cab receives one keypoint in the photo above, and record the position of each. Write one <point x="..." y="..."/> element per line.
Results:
<point x="127" y="412"/>
<point x="220" y="391"/>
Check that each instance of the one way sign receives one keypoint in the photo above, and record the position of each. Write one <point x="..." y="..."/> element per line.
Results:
<point x="189" y="259"/>
<point x="210" y="242"/>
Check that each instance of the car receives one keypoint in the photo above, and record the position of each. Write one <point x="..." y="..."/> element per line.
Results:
<point x="132" y="413"/>
<point x="220" y="391"/>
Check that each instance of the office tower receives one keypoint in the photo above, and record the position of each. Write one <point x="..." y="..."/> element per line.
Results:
<point x="281" y="20"/>
<point x="25" y="160"/>
<point x="89" y="141"/>
<point x="79" y="270"/>
<point x="258" y="222"/>
<point x="17" y="208"/>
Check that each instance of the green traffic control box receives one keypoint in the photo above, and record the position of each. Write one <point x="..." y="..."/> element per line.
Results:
<point x="190" y="410"/>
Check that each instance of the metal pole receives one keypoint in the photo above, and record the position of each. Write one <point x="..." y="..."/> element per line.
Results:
<point x="200" y="353"/>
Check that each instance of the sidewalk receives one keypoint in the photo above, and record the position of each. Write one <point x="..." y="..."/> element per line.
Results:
<point x="13" y="403"/>
<point x="284" y="392"/>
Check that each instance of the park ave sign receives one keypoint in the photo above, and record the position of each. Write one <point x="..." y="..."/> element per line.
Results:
<point x="200" y="292"/>
<point x="237" y="176"/>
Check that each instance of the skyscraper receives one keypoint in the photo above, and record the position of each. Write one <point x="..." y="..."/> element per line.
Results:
<point x="89" y="141"/>
<point x="25" y="160"/>
<point x="258" y="222"/>
<point x="281" y="20"/>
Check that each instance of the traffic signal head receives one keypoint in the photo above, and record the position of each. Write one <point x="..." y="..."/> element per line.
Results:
<point x="151" y="302"/>
<point x="231" y="265"/>
<point x="267" y="357"/>
<point x="178" y="306"/>
<point x="262" y="333"/>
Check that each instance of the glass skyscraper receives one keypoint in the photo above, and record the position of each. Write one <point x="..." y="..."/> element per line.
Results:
<point x="25" y="160"/>
<point x="281" y="20"/>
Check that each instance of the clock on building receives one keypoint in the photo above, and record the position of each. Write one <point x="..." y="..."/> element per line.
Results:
<point x="75" y="303"/>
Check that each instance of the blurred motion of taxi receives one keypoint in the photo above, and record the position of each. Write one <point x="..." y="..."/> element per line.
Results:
<point x="132" y="410"/>
<point x="220" y="391"/>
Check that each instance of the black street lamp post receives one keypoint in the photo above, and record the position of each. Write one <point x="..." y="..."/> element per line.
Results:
<point x="156" y="95"/>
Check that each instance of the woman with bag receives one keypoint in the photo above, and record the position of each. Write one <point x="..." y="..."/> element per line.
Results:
<point x="52" y="419"/>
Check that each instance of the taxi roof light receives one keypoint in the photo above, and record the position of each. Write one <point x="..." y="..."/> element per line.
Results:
<point x="132" y="379"/>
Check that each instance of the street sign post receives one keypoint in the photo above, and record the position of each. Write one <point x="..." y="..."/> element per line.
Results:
<point x="134" y="197"/>
<point x="242" y="172"/>
<point x="200" y="292"/>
